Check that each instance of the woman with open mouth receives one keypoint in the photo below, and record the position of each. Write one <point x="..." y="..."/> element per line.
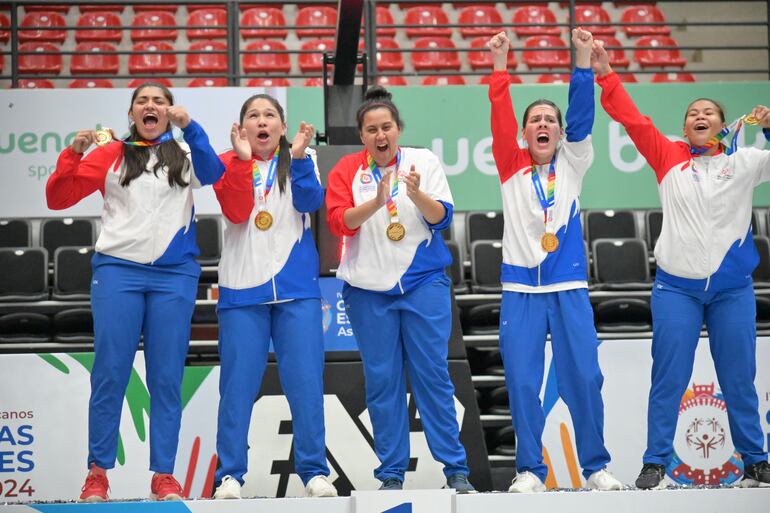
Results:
<point x="268" y="288"/>
<point x="705" y="256"/>
<point x="390" y="204"/>
<point x="145" y="277"/>
<point x="544" y="268"/>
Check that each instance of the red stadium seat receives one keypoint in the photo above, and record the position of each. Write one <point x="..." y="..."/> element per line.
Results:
<point x="314" y="61"/>
<point x="435" y="60"/>
<point x="541" y="57"/>
<point x="565" y="5"/>
<point x="315" y="82"/>
<point x="34" y="83"/>
<point x="478" y="15"/>
<point x="316" y="17"/>
<point x="95" y="62"/>
<point x="268" y="82"/>
<point x="516" y="5"/>
<point x="625" y="4"/>
<point x="266" y="62"/>
<point x="644" y="14"/>
<point x="101" y="8"/>
<point x="427" y="17"/>
<point x="482" y="58"/>
<point x="585" y="15"/>
<point x="5" y="23"/>
<point x="59" y="9"/>
<point x="628" y="78"/>
<point x="50" y="63"/>
<point x="618" y="57"/>
<point x="391" y="81"/>
<point x="165" y="21"/>
<point x="136" y="82"/>
<point x="214" y="18"/>
<point x="383" y="19"/>
<point x="658" y="78"/>
<point x="388" y="61"/>
<point x="537" y="16"/>
<point x="145" y="62"/>
<point x="44" y="19"/>
<point x="205" y="7"/>
<point x="96" y="20"/>
<point x="91" y="83"/>
<point x="435" y="80"/>
<point x="515" y="79"/>
<point x="647" y="56"/>
<point x="208" y="82"/>
<point x="554" y="78"/>
<point x="2" y="63"/>
<point x="263" y="17"/>
<point x="207" y="62"/>
<point x="169" y="8"/>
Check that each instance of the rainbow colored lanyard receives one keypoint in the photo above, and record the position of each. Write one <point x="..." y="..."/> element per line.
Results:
<point x="720" y="138"/>
<point x="257" y="176"/>
<point x="392" y="209"/>
<point x="547" y="199"/>
<point x="163" y="138"/>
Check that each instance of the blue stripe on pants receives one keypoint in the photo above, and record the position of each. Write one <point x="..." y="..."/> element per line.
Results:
<point x="244" y="339"/>
<point x="525" y="320"/>
<point x="128" y="301"/>
<point x="730" y="317"/>
<point x="396" y="333"/>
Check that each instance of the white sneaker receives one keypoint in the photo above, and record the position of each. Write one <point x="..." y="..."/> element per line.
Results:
<point x="320" y="486"/>
<point x="526" y="482"/>
<point x="229" y="489"/>
<point x="604" y="481"/>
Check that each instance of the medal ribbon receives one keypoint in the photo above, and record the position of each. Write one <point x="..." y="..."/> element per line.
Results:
<point x="392" y="209"/>
<point x="163" y="138"/>
<point x="735" y="127"/>
<point x="547" y="200"/>
<point x="257" y="177"/>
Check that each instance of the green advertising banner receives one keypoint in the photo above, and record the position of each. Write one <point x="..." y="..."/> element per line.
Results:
<point x="454" y="123"/>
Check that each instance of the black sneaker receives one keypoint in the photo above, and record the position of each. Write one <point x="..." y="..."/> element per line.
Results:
<point x="651" y="477"/>
<point x="459" y="482"/>
<point x="755" y="475"/>
<point x="392" y="483"/>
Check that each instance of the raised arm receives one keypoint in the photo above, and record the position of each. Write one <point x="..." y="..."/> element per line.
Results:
<point x="306" y="191"/>
<point x="235" y="190"/>
<point x="505" y="128"/>
<point x="206" y="164"/>
<point x="762" y="114"/>
<point x="580" y="110"/>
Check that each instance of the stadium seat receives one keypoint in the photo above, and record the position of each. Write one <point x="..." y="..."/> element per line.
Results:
<point x="541" y="55"/>
<point x="391" y="81"/>
<point x="102" y="8"/>
<point x="206" y="7"/>
<point x="91" y="83"/>
<point x="478" y="15"/>
<point x="427" y="17"/>
<point x="95" y="33"/>
<point x="648" y="56"/>
<point x="455" y="269"/>
<point x="2" y="63"/>
<point x="437" y="60"/>
<point x="25" y="274"/>
<point x="482" y="58"/>
<point x="5" y="23"/>
<point x="585" y="15"/>
<point x="266" y="62"/>
<point x="754" y="223"/>
<point x="628" y="78"/>
<point x="136" y="82"/>
<point x="15" y="233"/>
<point x="46" y="20"/>
<point x="610" y="224"/>
<point x="315" y="82"/>
<point x="263" y="17"/>
<point x="318" y="16"/>
<point x="268" y="82"/>
<point x="514" y="79"/>
<point x="767" y="222"/>
<point x="165" y="21"/>
<point x="516" y="5"/>
<point x="48" y="62"/>
<point x="310" y="62"/>
<point x="59" y="9"/>
<point x="653" y="223"/>
<point x="659" y="78"/>
<point x="215" y="21"/>
<point x="553" y="78"/>
<point x="207" y="62"/>
<point x="621" y="264"/>
<point x="536" y="16"/>
<point x="387" y="61"/>
<point x="25" y="327"/>
<point x="441" y="80"/>
<point x="482" y="319"/>
<point x="145" y="62"/>
<point x="72" y="272"/>
<point x="94" y="62"/>
<point x="34" y="83"/>
<point x="623" y="315"/>
<point x="761" y="274"/>
<point x="483" y="226"/>
<point x="644" y="14"/>
<point x="208" y="82"/>
<point x="169" y="8"/>
<point x="486" y="258"/>
<point x="617" y="57"/>
<point x="208" y="232"/>
<point x="763" y="313"/>
<point x="55" y="233"/>
<point x="73" y="326"/>
<point x="383" y="19"/>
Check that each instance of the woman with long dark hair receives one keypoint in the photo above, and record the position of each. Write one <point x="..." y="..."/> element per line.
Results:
<point x="145" y="276"/>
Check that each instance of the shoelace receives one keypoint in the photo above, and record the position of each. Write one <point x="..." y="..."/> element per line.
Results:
<point x="460" y="478"/>
<point x="391" y="481"/>
<point x="93" y="480"/>
<point x="168" y="479"/>
<point x="651" y="468"/>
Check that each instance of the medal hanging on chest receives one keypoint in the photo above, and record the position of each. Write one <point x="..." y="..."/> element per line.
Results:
<point x="104" y="137"/>
<point x="264" y="219"/>
<point x="547" y="197"/>
<point x="395" y="230"/>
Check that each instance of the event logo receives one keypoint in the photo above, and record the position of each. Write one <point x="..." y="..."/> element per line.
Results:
<point x="366" y="178"/>
<point x="704" y="454"/>
<point x="326" y="309"/>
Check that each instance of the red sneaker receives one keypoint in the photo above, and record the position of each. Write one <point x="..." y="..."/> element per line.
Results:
<point x="96" y="487"/>
<point x="165" y="488"/>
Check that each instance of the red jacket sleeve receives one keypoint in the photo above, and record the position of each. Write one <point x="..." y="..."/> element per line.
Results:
<point x="77" y="177"/>
<point x="339" y="195"/>
<point x="235" y="190"/>
<point x="505" y="128"/>
<point x="661" y="153"/>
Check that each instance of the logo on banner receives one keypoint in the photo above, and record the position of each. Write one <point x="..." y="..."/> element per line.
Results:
<point x="703" y="450"/>
<point x="326" y="308"/>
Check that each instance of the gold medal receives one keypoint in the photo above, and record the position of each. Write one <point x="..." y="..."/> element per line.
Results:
<point x="549" y="242"/>
<point x="103" y="136"/>
<point x="395" y="231"/>
<point x="751" y="120"/>
<point x="264" y="220"/>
